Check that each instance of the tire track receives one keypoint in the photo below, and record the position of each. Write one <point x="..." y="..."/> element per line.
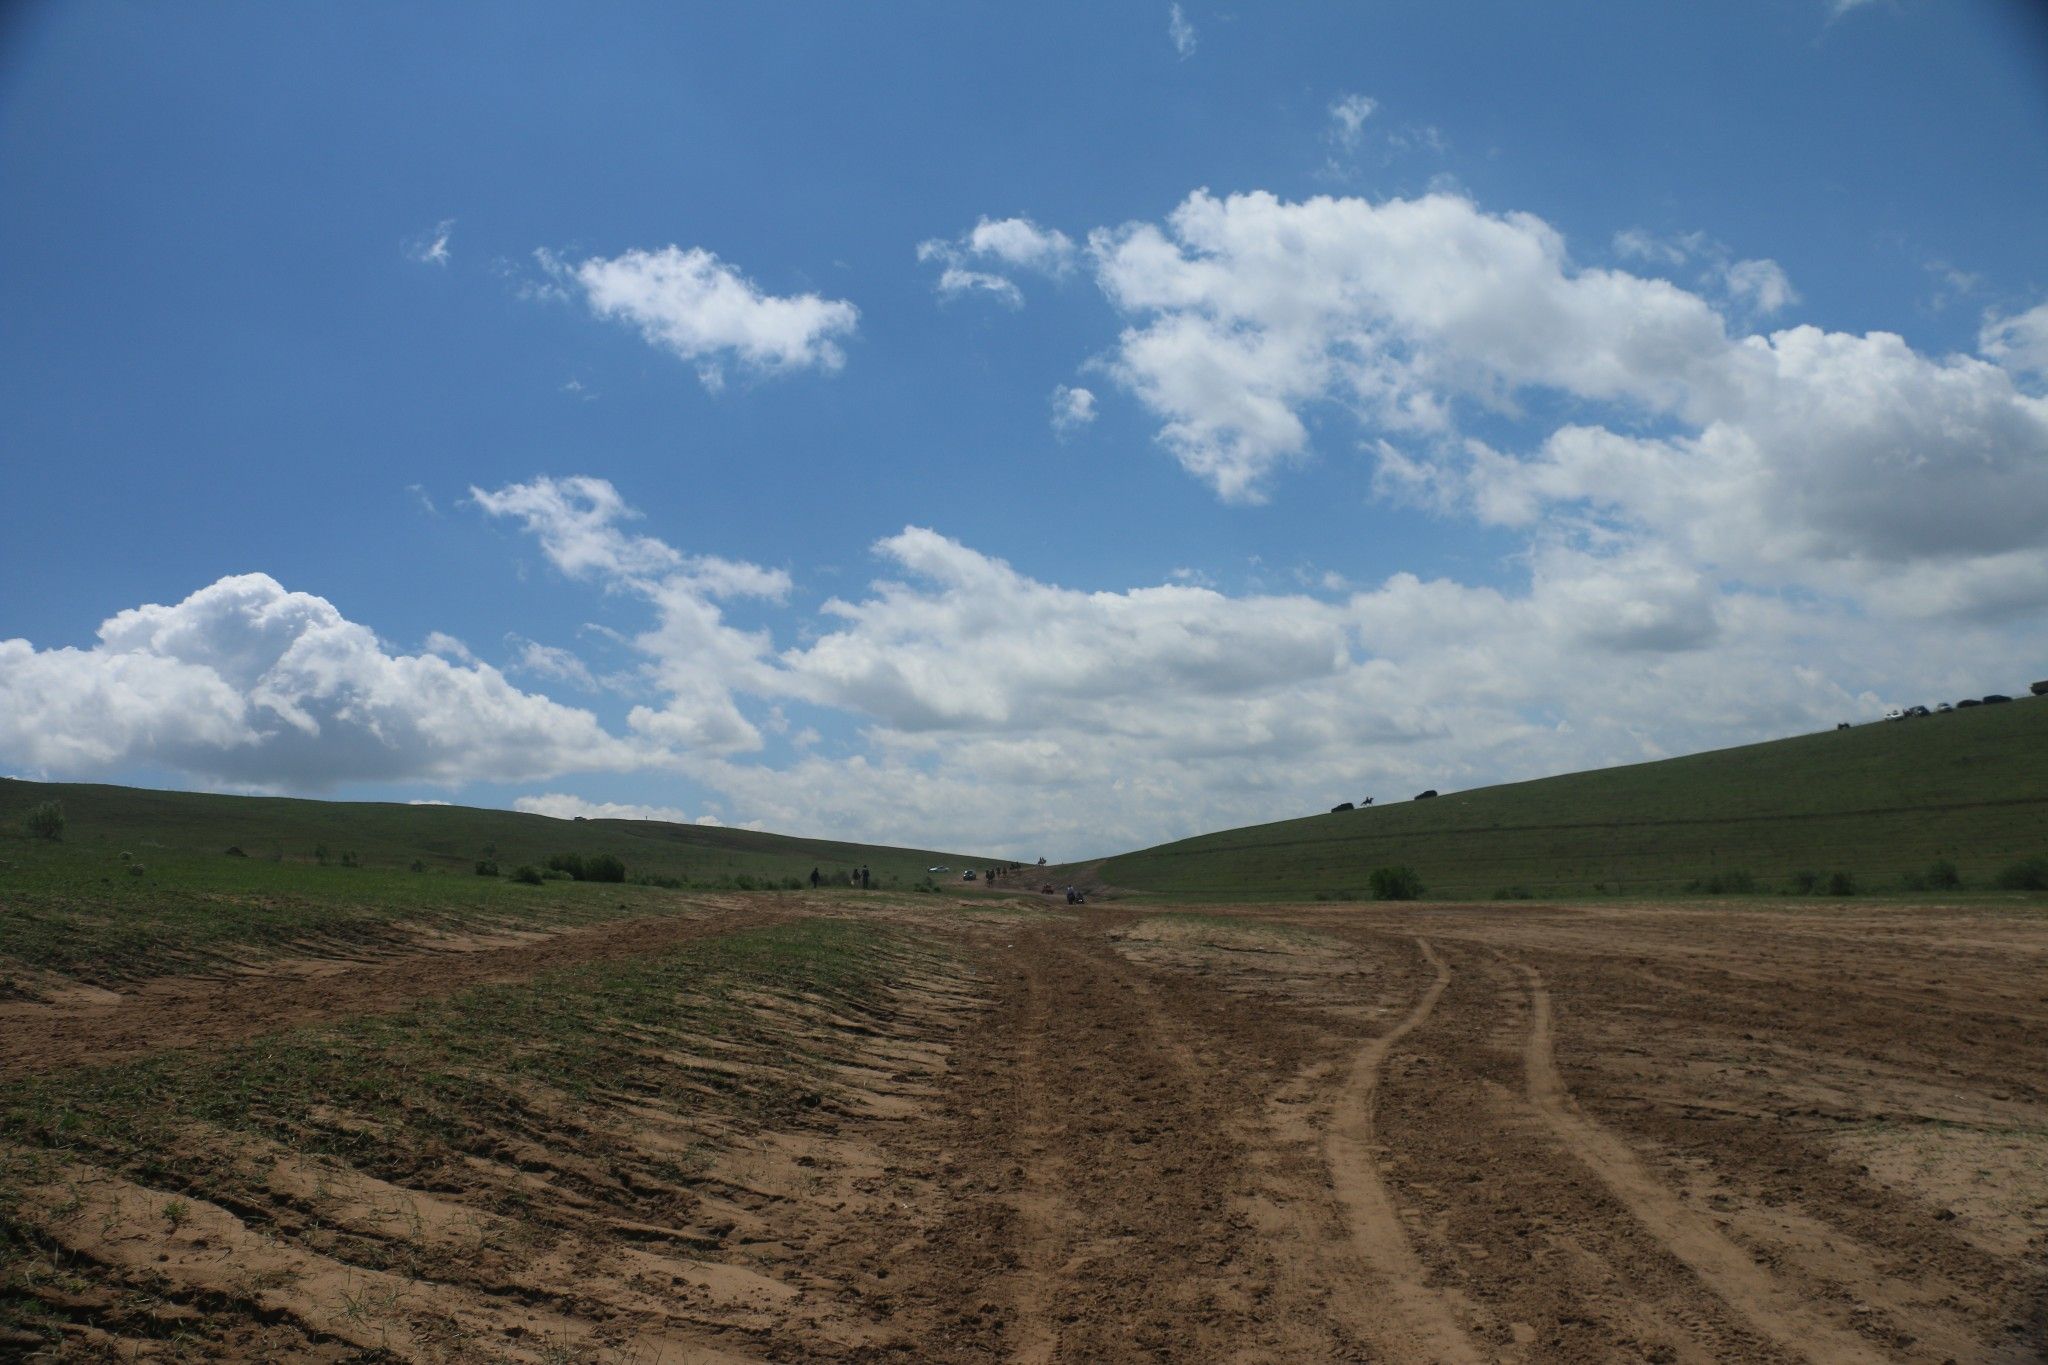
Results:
<point x="1725" y="1268"/>
<point x="1424" y="1324"/>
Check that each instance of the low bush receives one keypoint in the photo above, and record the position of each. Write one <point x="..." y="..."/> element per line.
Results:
<point x="654" y="879"/>
<point x="1512" y="893"/>
<point x="1841" y="884"/>
<point x="45" y="820"/>
<point x="1395" y="884"/>
<point x="235" y="851"/>
<point x="1736" y="883"/>
<point x="1804" y="883"/>
<point x="486" y="868"/>
<point x="1942" y="875"/>
<point x="2030" y="874"/>
<point x="595" y="867"/>
<point x="527" y="874"/>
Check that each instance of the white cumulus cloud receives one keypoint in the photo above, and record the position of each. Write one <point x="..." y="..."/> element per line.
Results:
<point x="689" y="302"/>
<point x="244" y="683"/>
<point x="1851" y="464"/>
<point x="975" y="259"/>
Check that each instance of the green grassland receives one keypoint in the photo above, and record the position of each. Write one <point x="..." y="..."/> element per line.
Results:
<point x="1881" y="802"/>
<point x="78" y="907"/>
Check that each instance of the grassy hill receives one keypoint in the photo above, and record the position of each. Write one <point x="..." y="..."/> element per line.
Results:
<point x="183" y="836"/>
<point x="142" y="882"/>
<point x="1881" y="802"/>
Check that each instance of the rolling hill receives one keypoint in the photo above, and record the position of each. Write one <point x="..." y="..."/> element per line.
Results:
<point x="182" y="836"/>
<point x="1881" y="802"/>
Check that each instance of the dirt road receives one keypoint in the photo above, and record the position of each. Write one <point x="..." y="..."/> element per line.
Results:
<point x="1272" y="1134"/>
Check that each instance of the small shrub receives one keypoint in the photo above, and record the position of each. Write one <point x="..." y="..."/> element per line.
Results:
<point x="349" y="860"/>
<point x="2030" y="874"/>
<point x="45" y="821"/>
<point x="1841" y="884"/>
<point x="527" y="875"/>
<point x="1942" y="875"/>
<point x="486" y="868"/>
<point x="235" y="851"/>
<point x="743" y="882"/>
<point x="320" y="854"/>
<point x="1912" y="881"/>
<point x="1395" y="884"/>
<point x="1736" y="883"/>
<point x="555" y="874"/>
<point x="417" y="865"/>
<point x="1804" y="883"/>
<point x="656" y="879"/>
<point x="136" y="869"/>
<point x="597" y="867"/>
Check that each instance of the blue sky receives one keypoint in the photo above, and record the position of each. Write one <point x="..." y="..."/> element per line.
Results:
<point x="1031" y="429"/>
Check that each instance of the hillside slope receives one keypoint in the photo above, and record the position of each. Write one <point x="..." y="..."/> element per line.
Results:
<point x="182" y="836"/>
<point x="1879" y="801"/>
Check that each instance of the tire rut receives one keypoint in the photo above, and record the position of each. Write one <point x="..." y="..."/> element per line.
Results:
<point x="1425" y="1326"/>
<point x="1725" y="1268"/>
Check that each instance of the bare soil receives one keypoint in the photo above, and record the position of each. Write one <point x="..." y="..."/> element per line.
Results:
<point x="1458" y="1133"/>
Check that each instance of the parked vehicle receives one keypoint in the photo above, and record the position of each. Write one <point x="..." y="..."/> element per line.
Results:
<point x="1917" y="711"/>
<point x="1895" y="714"/>
<point x="1968" y="702"/>
<point x="968" y="875"/>
<point x="1424" y="796"/>
<point x="1995" y="698"/>
<point x="1943" y="709"/>
<point x="1342" y="805"/>
<point x="2039" y="689"/>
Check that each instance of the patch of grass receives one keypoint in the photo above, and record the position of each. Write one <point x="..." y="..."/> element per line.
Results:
<point x="719" y="1033"/>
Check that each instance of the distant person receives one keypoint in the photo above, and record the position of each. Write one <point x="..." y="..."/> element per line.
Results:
<point x="814" y="879"/>
<point x="864" y="876"/>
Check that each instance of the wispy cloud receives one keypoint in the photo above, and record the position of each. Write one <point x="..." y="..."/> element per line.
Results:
<point x="1180" y="32"/>
<point x="431" y="248"/>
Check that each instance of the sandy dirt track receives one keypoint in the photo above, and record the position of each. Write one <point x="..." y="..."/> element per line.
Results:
<point x="1302" y="1133"/>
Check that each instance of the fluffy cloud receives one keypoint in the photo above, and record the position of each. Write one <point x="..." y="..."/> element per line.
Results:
<point x="973" y="260"/>
<point x="1180" y="32"/>
<point x="1804" y="457"/>
<point x="1005" y="713"/>
<point x="2019" y="343"/>
<point x="1763" y="285"/>
<point x="703" y="310"/>
<point x="244" y="683"/>
<point x="1072" y="409"/>
<point x="696" y="659"/>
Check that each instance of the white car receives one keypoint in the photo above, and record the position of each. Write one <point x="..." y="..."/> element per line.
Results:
<point x="1895" y="714"/>
<point x="938" y="869"/>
